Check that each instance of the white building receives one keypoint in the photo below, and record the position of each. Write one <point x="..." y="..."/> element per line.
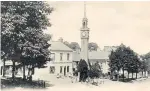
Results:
<point x="61" y="56"/>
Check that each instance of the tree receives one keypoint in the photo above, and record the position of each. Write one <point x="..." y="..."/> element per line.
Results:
<point x="143" y="67"/>
<point x="35" y="55"/>
<point x="67" y="43"/>
<point x="95" y="71"/>
<point x="74" y="45"/>
<point x="3" y="57"/>
<point x="146" y="58"/>
<point x="124" y="59"/>
<point x="83" y="69"/>
<point x="92" y="46"/>
<point x="47" y="37"/>
<point x="22" y="24"/>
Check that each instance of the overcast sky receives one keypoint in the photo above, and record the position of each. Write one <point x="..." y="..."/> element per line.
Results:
<point x="110" y="23"/>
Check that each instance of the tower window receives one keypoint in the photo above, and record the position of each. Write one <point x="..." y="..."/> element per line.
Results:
<point x="84" y="24"/>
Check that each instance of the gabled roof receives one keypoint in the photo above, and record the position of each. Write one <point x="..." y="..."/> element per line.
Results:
<point x="59" y="46"/>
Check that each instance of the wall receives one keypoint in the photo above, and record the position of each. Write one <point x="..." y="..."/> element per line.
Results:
<point x="64" y="59"/>
<point x="64" y="62"/>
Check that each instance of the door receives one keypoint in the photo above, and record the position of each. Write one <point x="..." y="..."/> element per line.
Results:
<point x="65" y="71"/>
<point x="1" y="70"/>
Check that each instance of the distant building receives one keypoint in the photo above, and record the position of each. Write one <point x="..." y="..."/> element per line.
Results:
<point x="110" y="48"/>
<point x="100" y="56"/>
<point x="8" y="68"/>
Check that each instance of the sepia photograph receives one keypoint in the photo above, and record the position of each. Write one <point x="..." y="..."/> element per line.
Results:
<point x="75" y="45"/>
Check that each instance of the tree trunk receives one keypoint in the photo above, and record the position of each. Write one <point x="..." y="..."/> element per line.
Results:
<point x="118" y="75"/>
<point x="132" y="74"/>
<point x="142" y="73"/>
<point x="33" y="71"/>
<point x="128" y="74"/>
<point x="24" y="76"/>
<point x="123" y="74"/>
<point x="80" y="77"/>
<point x="4" y="68"/>
<point x="13" y="70"/>
<point x="136" y="75"/>
<point x="30" y="73"/>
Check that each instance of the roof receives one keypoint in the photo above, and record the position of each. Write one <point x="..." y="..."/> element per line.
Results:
<point x="59" y="46"/>
<point x="99" y="55"/>
<point x="93" y="55"/>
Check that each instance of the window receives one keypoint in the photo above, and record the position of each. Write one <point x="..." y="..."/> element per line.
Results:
<point x="68" y="56"/>
<point x="61" y="56"/>
<point x="52" y="69"/>
<point x="67" y="68"/>
<point x="52" y="56"/>
<point x="60" y="69"/>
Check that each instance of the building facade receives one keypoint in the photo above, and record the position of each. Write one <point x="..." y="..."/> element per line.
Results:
<point x="61" y="56"/>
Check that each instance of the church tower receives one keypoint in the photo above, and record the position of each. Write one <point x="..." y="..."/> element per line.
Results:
<point x="84" y="37"/>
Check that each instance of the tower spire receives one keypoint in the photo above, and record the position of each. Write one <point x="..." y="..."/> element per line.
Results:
<point x="85" y="20"/>
<point x="84" y="9"/>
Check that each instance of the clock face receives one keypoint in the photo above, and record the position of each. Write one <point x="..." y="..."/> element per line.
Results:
<point x="83" y="34"/>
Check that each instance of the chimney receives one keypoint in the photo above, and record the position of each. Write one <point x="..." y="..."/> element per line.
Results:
<point x="61" y="39"/>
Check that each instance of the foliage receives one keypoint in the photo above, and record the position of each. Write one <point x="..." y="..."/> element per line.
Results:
<point x="37" y="54"/>
<point x="146" y="59"/>
<point x="22" y="34"/>
<point x="22" y="25"/>
<point x="83" y="69"/>
<point x="67" y="43"/>
<point x="74" y="45"/>
<point x="124" y="58"/>
<point x="92" y="46"/>
<point x="146" y="56"/>
<point x="144" y="65"/>
<point x="82" y="66"/>
<point x="95" y="70"/>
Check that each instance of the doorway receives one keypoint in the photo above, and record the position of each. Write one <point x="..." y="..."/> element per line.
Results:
<point x="65" y="71"/>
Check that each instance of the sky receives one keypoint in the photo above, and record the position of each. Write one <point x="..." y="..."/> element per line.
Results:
<point x="110" y="23"/>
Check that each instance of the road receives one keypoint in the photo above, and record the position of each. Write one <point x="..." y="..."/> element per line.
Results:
<point x="66" y="85"/>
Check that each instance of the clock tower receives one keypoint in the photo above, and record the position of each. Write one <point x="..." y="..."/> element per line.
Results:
<point x="84" y="37"/>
